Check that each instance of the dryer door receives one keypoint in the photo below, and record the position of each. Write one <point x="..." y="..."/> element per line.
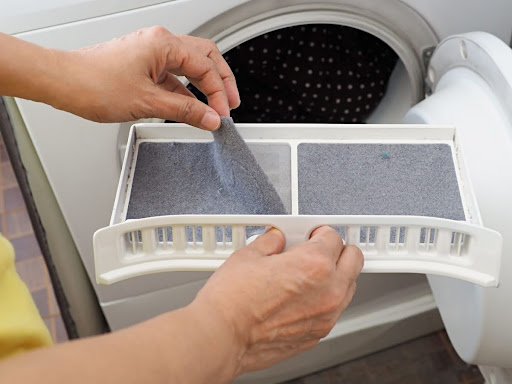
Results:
<point x="470" y="78"/>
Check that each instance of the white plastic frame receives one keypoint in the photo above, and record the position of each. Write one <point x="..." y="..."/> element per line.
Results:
<point x="463" y="250"/>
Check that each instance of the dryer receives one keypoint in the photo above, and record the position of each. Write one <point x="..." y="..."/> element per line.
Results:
<point x="82" y="160"/>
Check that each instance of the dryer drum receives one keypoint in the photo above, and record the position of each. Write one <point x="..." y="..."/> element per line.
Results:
<point x="316" y="73"/>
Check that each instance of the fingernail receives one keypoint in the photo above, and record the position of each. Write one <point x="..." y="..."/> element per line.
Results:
<point x="274" y="230"/>
<point x="210" y="121"/>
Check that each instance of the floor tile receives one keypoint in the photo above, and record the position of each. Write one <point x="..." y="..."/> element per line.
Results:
<point x="17" y="224"/>
<point x="26" y="247"/>
<point x="478" y="379"/>
<point x="60" y="330"/>
<point x="50" y="324"/>
<point x="441" y="360"/>
<point x="41" y="299"/>
<point x="8" y="178"/>
<point x="356" y="372"/>
<point x="13" y="199"/>
<point x="4" y="157"/>
<point x="2" y="207"/>
<point x="52" y="302"/>
<point x="470" y="374"/>
<point x="33" y="273"/>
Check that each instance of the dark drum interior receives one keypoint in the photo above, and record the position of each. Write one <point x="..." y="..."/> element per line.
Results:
<point x="317" y="73"/>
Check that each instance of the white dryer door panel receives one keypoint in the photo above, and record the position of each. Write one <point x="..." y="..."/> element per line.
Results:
<point x="471" y="80"/>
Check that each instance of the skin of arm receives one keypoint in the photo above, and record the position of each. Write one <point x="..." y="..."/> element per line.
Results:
<point x="261" y="307"/>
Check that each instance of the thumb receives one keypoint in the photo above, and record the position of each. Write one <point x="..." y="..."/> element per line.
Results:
<point x="270" y="243"/>
<point x="185" y="109"/>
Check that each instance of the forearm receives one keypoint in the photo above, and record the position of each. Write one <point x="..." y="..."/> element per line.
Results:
<point x="183" y="346"/>
<point x="29" y="71"/>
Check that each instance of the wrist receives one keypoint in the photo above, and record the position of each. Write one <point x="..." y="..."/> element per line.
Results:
<point x="65" y="81"/>
<point x="29" y="71"/>
<point x="50" y="83"/>
<point x="220" y="336"/>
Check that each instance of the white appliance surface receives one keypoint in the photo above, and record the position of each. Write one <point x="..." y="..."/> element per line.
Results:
<point x="471" y="77"/>
<point x="81" y="158"/>
<point x="28" y="15"/>
<point x="446" y="18"/>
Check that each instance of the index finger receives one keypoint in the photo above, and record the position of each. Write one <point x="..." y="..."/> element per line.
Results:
<point x="349" y="260"/>
<point x="210" y="49"/>
<point x="350" y="263"/>
<point x="185" y="60"/>
<point x="330" y="239"/>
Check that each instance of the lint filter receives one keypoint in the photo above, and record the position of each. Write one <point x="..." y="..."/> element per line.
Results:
<point x="187" y="199"/>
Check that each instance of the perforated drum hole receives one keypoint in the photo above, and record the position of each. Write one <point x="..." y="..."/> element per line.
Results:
<point x="463" y="50"/>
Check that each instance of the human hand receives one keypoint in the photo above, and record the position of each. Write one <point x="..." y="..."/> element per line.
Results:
<point x="259" y="308"/>
<point x="134" y="77"/>
<point x="280" y="304"/>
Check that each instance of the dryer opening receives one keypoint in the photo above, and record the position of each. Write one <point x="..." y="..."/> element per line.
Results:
<point x="314" y="73"/>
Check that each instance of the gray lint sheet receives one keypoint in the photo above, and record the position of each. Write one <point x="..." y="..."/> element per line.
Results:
<point x="225" y="176"/>
<point x="228" y="176"/>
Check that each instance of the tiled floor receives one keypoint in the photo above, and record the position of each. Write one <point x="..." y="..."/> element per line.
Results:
<point x="430" y="359"/>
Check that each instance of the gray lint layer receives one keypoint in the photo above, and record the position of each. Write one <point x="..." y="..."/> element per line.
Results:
<point x="378" y="179"/>
<point x="241" y="175"/>
<point x="219" y="177"/>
